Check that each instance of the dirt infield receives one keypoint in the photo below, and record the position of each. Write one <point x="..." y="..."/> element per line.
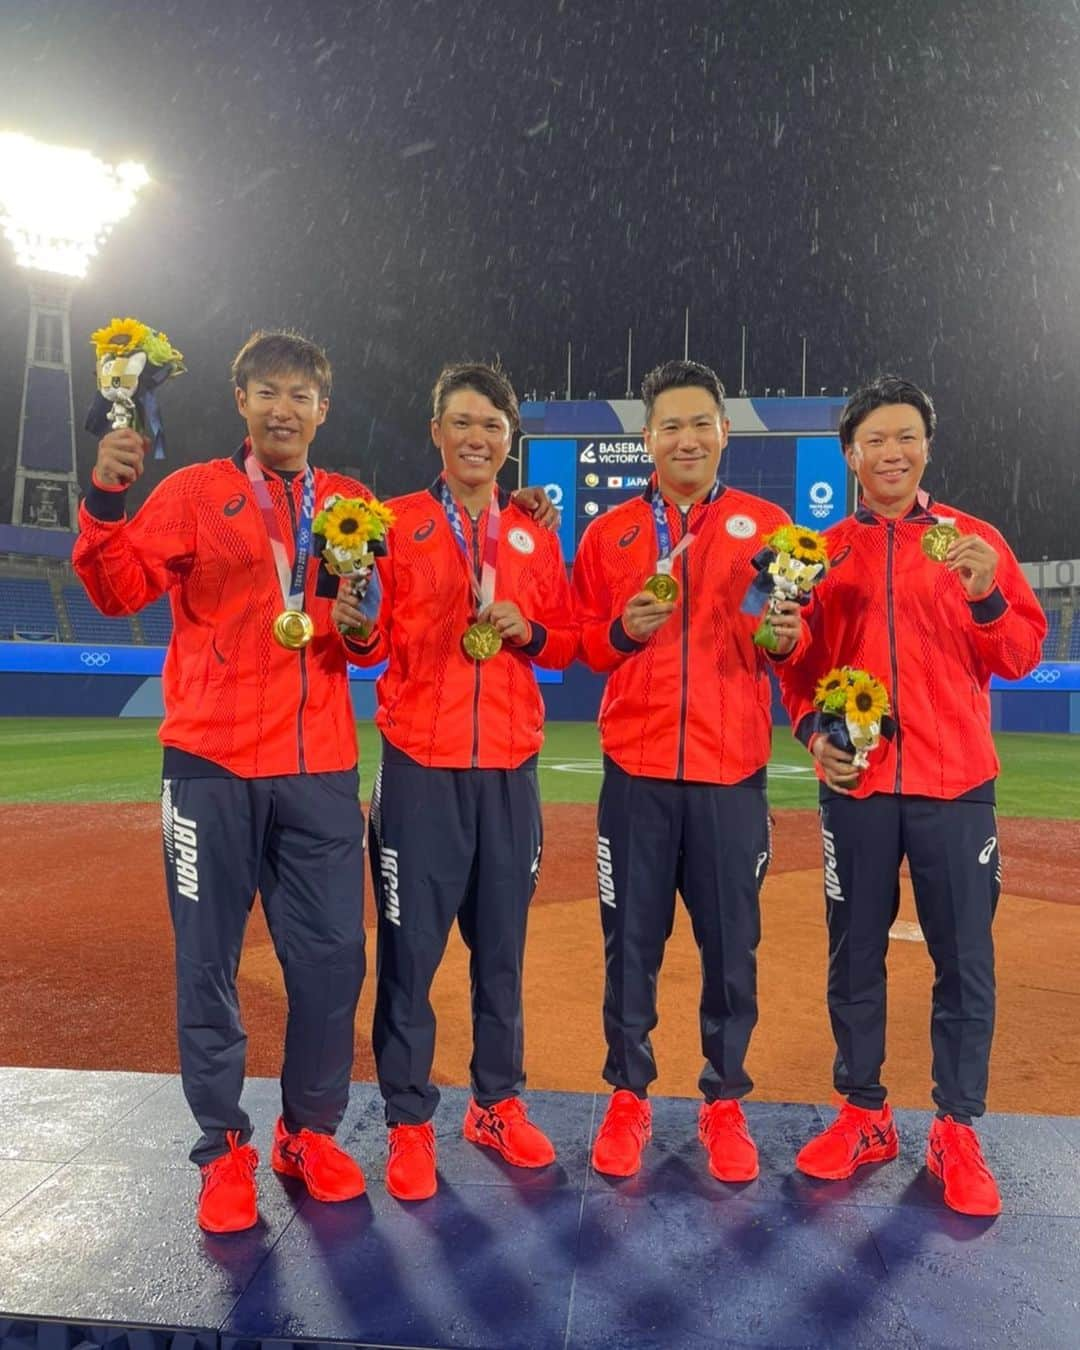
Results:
<point x="86" y="963"/>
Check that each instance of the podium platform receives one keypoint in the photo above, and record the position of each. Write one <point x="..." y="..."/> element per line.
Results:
<point x="98" y="1242"/>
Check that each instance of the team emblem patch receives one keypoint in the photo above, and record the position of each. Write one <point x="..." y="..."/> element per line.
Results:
<point x="741" y="527"/>
<point x="521" y="540"/>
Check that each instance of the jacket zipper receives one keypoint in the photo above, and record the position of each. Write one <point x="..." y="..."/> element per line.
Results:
<point x="475" y="760"/>
<point x="302" y="653"/>
<point x="680" y="766"/>
<point x="890" y="527"/>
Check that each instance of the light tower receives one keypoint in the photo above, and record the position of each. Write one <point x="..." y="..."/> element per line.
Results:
<point x="56" y="206"/>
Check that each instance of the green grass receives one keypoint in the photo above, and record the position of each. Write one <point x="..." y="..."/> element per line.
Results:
<point x="69" y="759"/>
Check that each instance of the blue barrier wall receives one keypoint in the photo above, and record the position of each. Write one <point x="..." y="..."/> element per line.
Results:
<point x="55" y="679"/>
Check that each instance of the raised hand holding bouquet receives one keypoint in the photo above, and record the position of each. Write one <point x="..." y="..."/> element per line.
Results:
<point x="792" y="562"/>
<point x="353" y="535"/>
<point x="133" y="361"/>
<point x="853" y="712"/>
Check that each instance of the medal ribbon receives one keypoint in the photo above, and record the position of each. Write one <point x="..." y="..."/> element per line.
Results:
<point x="483" y="587"/>
<point x="666" y="554"/>
<point x="291" y="581"/>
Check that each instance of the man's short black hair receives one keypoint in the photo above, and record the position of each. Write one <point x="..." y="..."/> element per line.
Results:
<point x="282" y="353"/>
<point x="488" y="380"/>
<point x="679" y="375"/>
<point x="881" y="390"/>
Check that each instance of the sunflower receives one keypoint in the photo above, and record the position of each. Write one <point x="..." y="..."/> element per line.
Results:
<point x="808" y="545"/>
<point x="830" y="695"/>
<point x="350" y="522"/>
<point x="867" y="701"/>
<point x="382" y="514"/>
<point x="120" y="337"/>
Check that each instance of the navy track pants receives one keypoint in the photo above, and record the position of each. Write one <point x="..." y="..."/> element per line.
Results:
<point x="450" y="844"/>
<point x="955" y="863"/>
<point x="712" y="844"/>
<point x="299" y="841"/>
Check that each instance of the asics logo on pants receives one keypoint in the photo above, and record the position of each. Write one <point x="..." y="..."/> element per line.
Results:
<point x="987" y="850"/>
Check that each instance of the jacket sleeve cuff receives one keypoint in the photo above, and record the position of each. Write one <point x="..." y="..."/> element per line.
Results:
<point x="361" y="646"/>
<point x="807" y="729"/>
<point x="105" y="503"/>
<point x="988" y="607"/>
<point x="620" y="639"/>
<point x="537" y="639"/>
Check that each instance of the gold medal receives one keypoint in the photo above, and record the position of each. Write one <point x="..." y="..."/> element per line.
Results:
<point x="293" y="629"/>
<point x="937" y="541"/>
<point x="481" y="641"/>
<point x="663" y="585"/>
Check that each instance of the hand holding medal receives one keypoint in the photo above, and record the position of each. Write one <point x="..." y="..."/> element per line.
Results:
<point x="970" y="556"/>
<point x="500" y="622"/>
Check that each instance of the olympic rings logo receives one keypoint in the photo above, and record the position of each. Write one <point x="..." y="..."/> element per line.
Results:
<point x="97" y="659"/>
<point x="1046" y="675"/>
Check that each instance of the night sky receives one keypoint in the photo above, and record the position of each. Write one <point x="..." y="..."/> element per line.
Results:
<point x="411" y="182"/>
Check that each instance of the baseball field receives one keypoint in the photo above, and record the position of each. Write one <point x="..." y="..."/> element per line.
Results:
<point x="87" y="966"/>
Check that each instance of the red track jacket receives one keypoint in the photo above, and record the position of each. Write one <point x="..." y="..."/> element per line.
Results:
<point x="693" y="701"/>
<point x="436" y="704"/>
<point x="886" y="608"/>
<point x="232" y="694"/>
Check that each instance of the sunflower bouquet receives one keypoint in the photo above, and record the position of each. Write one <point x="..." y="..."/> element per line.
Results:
<point x="853" y="711"/>
<point x="352" y="531"/>
<point x="792" y="562"/>
<point x="133" y="361"/>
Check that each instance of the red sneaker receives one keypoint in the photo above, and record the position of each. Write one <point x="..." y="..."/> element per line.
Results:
<point x="325" y="1168"/>
<point x="953" y="1156"/>
<point x="857" y="1136"/>
<point x="621" y="1140"/>
<point x="227" y="1201"/>
<point x="410" y="1168"/>
<point x="732" y="1153"/>
<point x="505" y="1127"/>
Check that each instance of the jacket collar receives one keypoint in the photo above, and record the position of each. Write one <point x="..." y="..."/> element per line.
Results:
<point x="920" y="513"/>
<point x="435" y="490"/>
<point x="652" y="490"/>
<point x="240" y="453"/>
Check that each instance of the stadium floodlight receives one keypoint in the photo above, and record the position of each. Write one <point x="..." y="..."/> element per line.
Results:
<point x="58" y="205"/>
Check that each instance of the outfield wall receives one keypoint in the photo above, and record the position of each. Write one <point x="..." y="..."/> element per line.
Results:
<point x="55" y="679"/>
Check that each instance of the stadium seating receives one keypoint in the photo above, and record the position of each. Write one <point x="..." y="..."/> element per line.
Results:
<point x="26" y="607"/>
<point x="156" y="622"/>
<point x="1053" y="632"/>
<point x="1072" y="651"/>
<point x="90" y="626"/>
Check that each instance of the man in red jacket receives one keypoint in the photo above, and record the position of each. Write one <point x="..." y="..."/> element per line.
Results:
<point x="259" y="786"/>
<point x="932" y="602"/>
<point x="475" y="591"/>
<point x="686" y="736"/>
